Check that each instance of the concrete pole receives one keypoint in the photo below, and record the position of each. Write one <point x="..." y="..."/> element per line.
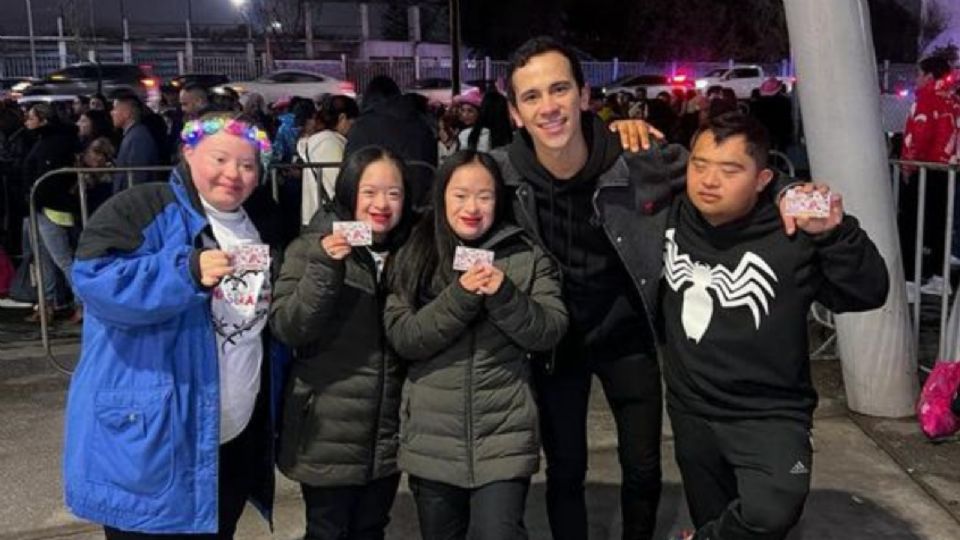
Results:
<point x="308" y="28"/>
<point x="127" y="50"/>
<point x="61" y="43"/>
<point x="189" y="47"/>
<point x="364" y="22"/>
<point x="33" y="44"/>
<point x="841" y="107"/>
<point x="413" y="24"/>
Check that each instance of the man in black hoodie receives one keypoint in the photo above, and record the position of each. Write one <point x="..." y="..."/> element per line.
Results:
<point x="596" y="211"/>
<point x="734" y="313"/>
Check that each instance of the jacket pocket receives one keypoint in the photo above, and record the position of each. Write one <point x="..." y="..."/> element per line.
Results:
<point x="298" y="422"/>
<point x="131" y="444"/>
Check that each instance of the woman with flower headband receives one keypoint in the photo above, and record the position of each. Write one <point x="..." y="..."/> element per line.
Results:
<point x="168" y="423"/>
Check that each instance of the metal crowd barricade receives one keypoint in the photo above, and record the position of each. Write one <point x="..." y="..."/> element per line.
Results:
<point x="923" y="168"/>
<point x="276" y="179"/>
<point x="35" y="234"/>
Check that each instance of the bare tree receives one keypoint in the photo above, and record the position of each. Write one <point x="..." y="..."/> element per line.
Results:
<point x="283" y="23"/>
<point x="934" y="20"/>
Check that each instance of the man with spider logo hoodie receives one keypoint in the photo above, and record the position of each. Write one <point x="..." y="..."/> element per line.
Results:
<point x="734" y="302"/>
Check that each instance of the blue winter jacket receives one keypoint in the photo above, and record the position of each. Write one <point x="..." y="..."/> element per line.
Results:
<point x="142" y="418"/>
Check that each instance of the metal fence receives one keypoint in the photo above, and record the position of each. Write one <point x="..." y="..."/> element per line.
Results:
<point x="236" y="68"/>
<point x="81" y="174"/>
<point x="923" y="169"/>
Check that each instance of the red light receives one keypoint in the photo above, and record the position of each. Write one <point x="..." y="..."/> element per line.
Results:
<point x="679" y="78"/>
<point x="903" y="93"/>
<point x="347" y="87"/>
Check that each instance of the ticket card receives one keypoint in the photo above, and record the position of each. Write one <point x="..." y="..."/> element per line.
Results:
<point x="357" y="233"/>
<point x="813" y="204"/>
<point x="465" y="258"/>
<point x="250" y="257"/>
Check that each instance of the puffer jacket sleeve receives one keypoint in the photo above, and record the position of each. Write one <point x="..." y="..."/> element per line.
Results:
<point x="421" y="334"/>
<point x="306" y="293"/>
<point x="535" y="321"/>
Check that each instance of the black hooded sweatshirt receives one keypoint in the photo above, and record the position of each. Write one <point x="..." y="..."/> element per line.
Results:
<point x="606" y="313"/>
<point x="735" y="306"/>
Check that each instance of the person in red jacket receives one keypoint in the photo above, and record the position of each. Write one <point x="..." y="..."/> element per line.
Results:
<point x="930" y="136"/>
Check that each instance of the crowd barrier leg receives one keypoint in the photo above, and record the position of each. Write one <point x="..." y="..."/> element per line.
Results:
<point x="918" y="253"/>
<point x="947" y="249"/>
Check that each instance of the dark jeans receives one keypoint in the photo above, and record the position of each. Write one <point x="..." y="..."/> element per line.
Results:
<point x="349" y="512"/>
<point x="744" y="479"/>
<point x="935" y="219"/>
<point x="631" y="383"/>
<point x="238" y="458"/>
<point x="490" y="512"/>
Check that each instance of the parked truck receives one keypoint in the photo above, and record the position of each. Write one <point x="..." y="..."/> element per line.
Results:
<point x="743" y="79"/>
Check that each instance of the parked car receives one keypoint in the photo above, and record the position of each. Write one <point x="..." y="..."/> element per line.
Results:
<point x="437" y="89"/>
<point x="292" y="82"/>
<point x="653" y="84"/>
<point x="206" y="80"/>
<point x="743" y="79"/>
<point x="13" y="87"/>
<point x="95" y="78"/>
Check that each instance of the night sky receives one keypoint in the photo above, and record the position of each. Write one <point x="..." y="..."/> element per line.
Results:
<point x="107" y="13"/>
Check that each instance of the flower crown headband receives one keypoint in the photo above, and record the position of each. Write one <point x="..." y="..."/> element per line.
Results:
<point x="195" y="130"/>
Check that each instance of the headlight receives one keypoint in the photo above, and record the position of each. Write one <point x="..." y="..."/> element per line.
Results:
<point x="701" y="83"/>
<point x="20" y="86"/>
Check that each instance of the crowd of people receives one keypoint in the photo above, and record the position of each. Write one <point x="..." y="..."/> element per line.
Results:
<point x="225" y="332"/>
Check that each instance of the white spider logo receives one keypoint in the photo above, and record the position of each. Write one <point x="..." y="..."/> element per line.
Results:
<point x="748" y="285"/>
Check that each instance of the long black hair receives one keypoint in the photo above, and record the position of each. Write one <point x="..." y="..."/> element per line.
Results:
<point x="344" y="202"/>
<point x="425" y="264"/>
<point x="495" y="116"/>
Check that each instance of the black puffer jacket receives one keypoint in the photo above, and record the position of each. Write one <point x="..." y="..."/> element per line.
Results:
<point x="53" y="149"/>
<point x="341" y="402"/>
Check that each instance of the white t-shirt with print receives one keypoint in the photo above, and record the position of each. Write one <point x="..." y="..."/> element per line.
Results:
<point x="240" y="305"/>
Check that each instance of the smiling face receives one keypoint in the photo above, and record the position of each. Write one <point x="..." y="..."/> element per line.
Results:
<point x="470" y="201"/>
<point x="224" y="169"/>
<point x="723" y="181"/>
<point x="548" y="102"/>
<point x="380" y="197"/>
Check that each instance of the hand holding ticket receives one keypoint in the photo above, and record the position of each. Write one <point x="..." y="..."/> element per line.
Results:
<point x="357" y="233"/>
<point x="465" y="258"/>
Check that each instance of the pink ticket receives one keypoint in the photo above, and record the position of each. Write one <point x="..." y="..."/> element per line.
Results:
<point x="465" y="258"/>
<point x="247" y="257"/>
<point x="357" y="233"/>
<point x="814" y="204"/>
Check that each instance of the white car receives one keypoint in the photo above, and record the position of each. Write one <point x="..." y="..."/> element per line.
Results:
<point x="436" y="90"/>
<point x="653" y="84"/>
<point x="292" y="82"/>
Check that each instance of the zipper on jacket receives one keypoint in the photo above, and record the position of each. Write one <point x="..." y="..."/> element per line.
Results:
<point x="616" y="246"/>
<point x="521" y="192"/>
<point x="381" y="375"/>
<point x="468" y="425"/>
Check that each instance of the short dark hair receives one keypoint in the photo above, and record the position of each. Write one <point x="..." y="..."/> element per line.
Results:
<point x="935" y="65"/>
<point x="332" y="107"/>
<point x="535" y="47"/>
<point x="197" y="91"/>
<point x="131" y="100"/>
<point x="380" y="88"/>
<point x="733" y="123"/>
